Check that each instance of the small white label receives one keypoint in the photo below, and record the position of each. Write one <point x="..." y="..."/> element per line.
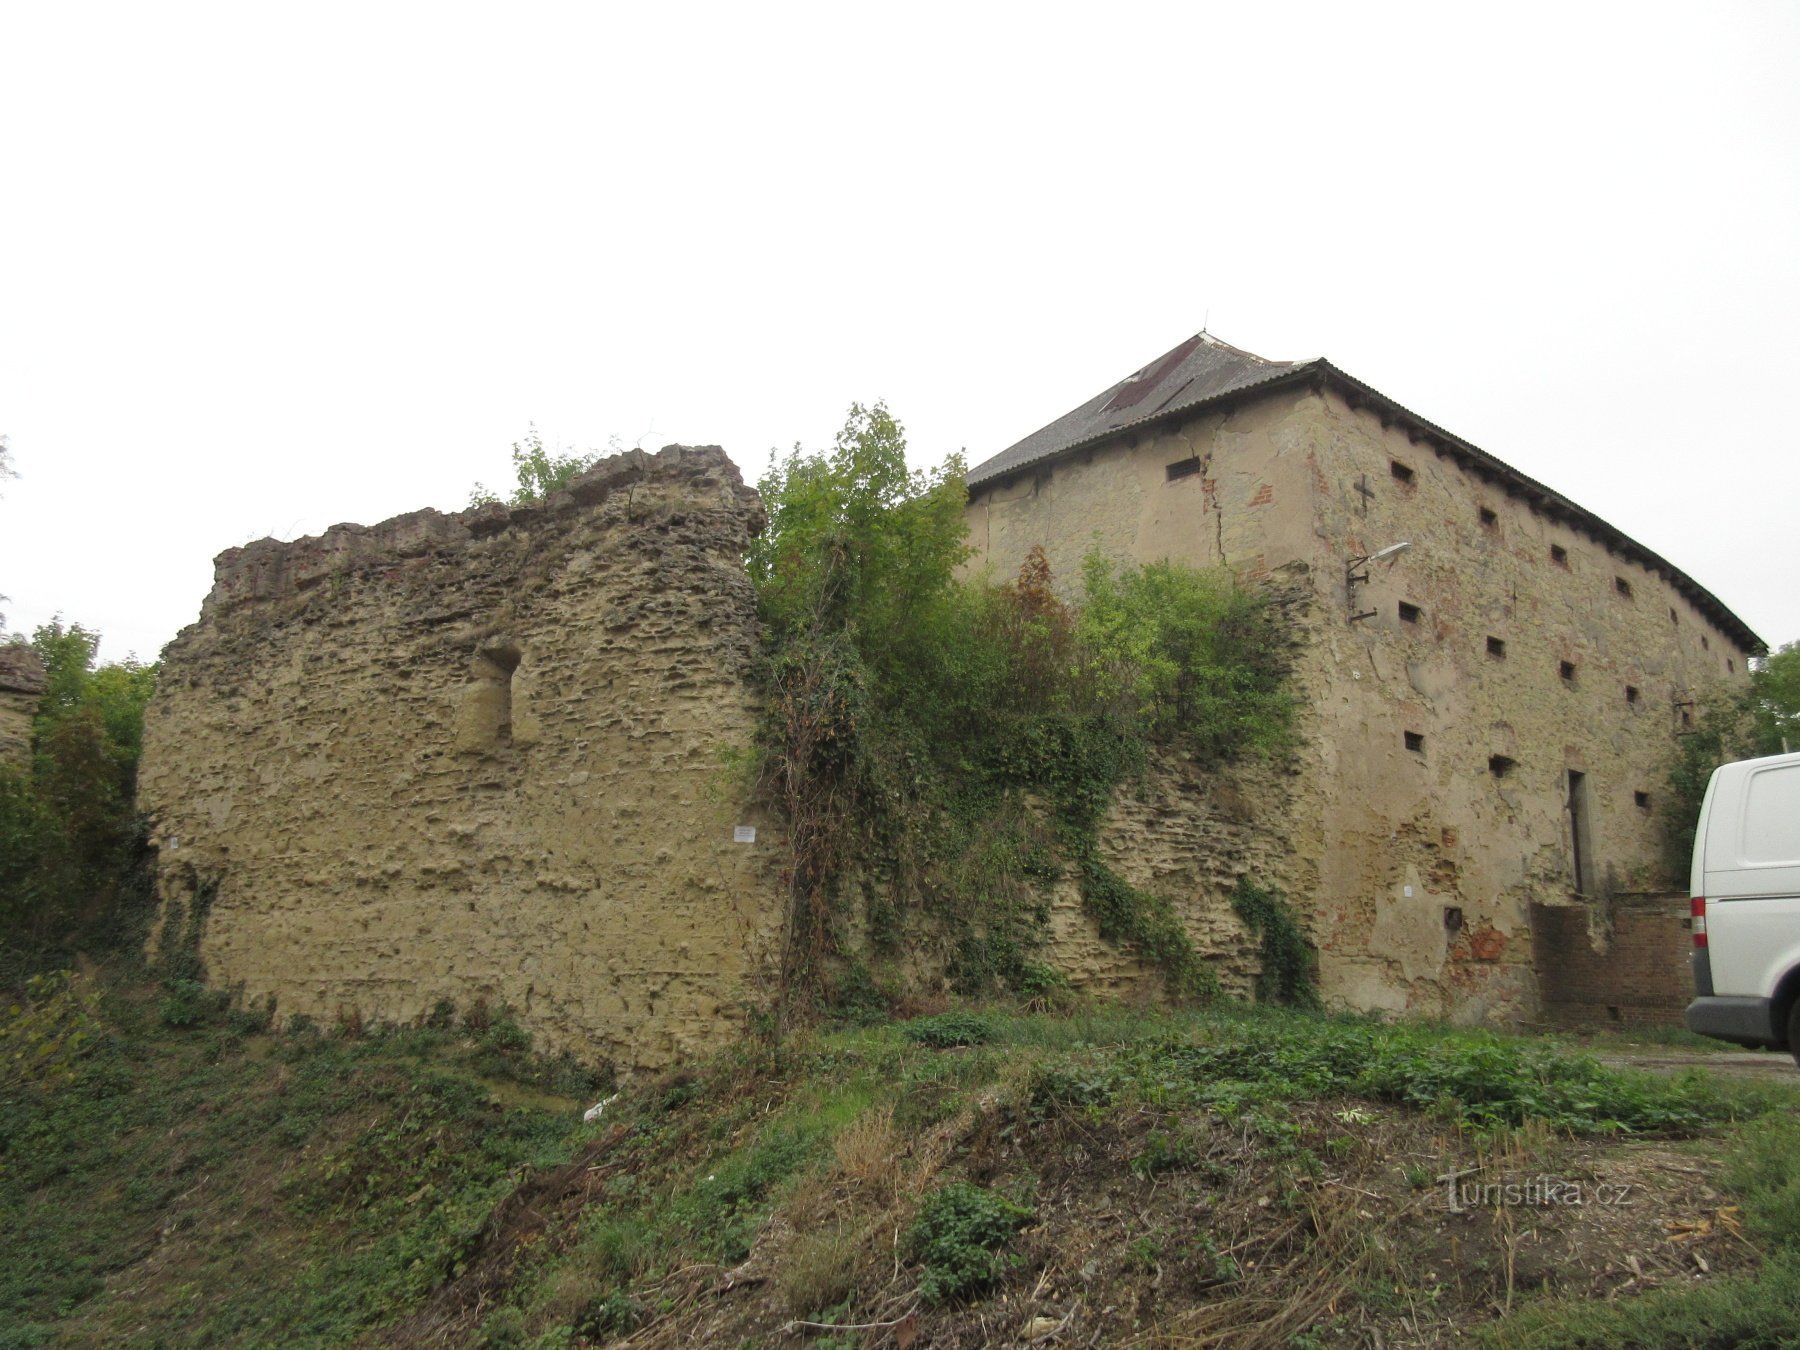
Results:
<point x="1406" y="891"/>
<point x="743" y="834"/>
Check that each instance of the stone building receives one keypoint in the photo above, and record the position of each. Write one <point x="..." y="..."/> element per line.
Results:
<point x="21" y="686"/>
<point x="1493" y="678"/>
<point x="482" y="756"/>
<point x="477" y="758"/>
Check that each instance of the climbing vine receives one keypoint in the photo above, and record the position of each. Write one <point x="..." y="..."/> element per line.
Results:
<point x="1288" y="966"/>
<point x="948" y="747"/>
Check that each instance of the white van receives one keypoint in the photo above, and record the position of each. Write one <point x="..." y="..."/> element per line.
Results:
<point x="1745" y="890"/>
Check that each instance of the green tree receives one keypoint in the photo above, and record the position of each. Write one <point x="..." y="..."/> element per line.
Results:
<point x="538" y="471"/>
<point x="856" y="541"/>
<point x="1775" y="692"/>
<point x="69" y="831"/>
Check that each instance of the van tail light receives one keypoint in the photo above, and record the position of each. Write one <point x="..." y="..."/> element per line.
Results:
<point x="1697" y="908"/>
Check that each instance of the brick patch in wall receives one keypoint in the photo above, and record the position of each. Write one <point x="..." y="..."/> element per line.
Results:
<point x="1639" y="977"/>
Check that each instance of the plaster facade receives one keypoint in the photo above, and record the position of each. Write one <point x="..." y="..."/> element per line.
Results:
<point x="477" y="757"/>
<point x="1488" y="714"/>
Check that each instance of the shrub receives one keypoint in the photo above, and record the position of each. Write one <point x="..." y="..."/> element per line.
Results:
<point x="950" y="1029"/>
<point x="958" y="1236"/>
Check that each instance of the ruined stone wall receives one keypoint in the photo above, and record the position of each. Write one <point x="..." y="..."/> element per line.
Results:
<point x="477" y="757"/>
<point x="1429" y="805"/>
<point x="1635" y="971"/>
<point x="21" y="687"/>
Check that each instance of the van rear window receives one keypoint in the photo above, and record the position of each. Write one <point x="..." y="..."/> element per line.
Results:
<point x="1771" y="835"/>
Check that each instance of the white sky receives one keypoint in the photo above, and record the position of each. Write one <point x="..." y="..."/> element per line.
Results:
<point x="265" y="268"/>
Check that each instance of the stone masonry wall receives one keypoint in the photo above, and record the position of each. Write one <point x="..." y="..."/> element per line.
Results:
<point x="477" y="757"/>
<point x="1638" y="974"/>
<point x="1430" y="803"/>
<point x="21" y="686"/>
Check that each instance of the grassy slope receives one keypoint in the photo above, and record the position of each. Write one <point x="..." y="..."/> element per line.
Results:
<point x="1261" y="1177"/>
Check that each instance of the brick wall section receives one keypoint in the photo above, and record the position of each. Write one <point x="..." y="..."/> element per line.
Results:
<point x="1636" y="976"/>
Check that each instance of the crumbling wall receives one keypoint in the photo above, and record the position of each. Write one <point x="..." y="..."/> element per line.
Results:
<point x="21" y="686"/>
<point x="1638" y="973"/>
<point x="478" y="757"/>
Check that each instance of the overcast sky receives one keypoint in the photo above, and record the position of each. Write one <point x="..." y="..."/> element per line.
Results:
<point x="266" y="268"/>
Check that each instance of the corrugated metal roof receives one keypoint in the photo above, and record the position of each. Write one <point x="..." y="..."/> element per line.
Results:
<point x="1204" y="372"/>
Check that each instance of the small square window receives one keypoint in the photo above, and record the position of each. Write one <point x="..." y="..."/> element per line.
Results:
<point x="1402" y="473"/>
<point x="1453" y="918"/>
<point x="1500" y="765"/>
<point x="1559" y="555"/>
<point x="1415" y="742"/>
<point x="1622" y="586"/>
<point x="1567" y="670"/>
<point x="1642" y="799"/>
<point x="1631" y="693"/>
<point x="1408" y="613"/>
<point x="1488" y="518"/>
<point x="1182" y="468"/>
<point x="1497" y="648"/>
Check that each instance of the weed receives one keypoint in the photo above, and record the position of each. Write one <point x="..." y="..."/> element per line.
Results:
<point x="949" y="1029"/>
<point x="958" y="1236"/>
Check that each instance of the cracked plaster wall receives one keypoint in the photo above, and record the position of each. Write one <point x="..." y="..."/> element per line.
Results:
<point x="1415" y="869"/>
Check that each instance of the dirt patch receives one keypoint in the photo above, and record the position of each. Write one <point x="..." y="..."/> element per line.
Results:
<point x="1776" y="1064"/>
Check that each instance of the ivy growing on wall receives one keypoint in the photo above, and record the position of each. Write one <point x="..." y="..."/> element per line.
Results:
<point x="949" y="746"/>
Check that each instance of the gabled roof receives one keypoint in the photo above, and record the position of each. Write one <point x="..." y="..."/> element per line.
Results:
<point x="1197" y="372"/>
<point x="1204" y="373"/>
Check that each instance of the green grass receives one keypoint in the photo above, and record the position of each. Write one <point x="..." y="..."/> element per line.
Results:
<point x="180" y="1161"/>
<point x="160" y="1171"/>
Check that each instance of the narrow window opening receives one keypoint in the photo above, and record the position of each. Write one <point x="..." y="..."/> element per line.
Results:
<point x="495" y="668"/>
<point x="1184" y="468"/>
<point x="1401" y="472"/>
<point x="1705" y="646"/>
<point x="1581" y="843"/>
<point x="1408" y="613"/>
<point x="1559" y="555"/>
<point x="1631" y="693"/>
<point x="1673" y="616"/>
<point x="1730" y="665"/>
<point x="1642" y="799"/>
<point x="1415" y="742"/>
<point x="1488" y="518"/>
<point x="1687" y="719"/>
<point x="1567" y="670"/>
<point x="1500" y="765"/>
<point x="1622" y="586"/>
<point x="1453" y="918"/>
<point x="1497" y="648"/>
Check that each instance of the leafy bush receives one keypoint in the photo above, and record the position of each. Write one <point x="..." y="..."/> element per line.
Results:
<point x="958" y="1236"/>
<point x="950" y="1029"/>
<point x="69" y="832"/>
<point x="918" y="722"/>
